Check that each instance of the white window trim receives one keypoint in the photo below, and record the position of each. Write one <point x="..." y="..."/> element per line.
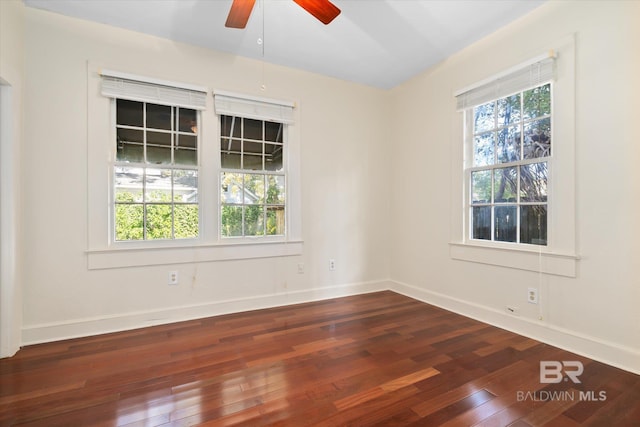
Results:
<point x="559" y="257"/>
<point x="104" y="253"/>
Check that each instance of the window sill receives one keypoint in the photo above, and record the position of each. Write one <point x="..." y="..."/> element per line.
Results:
<point x="530" y="259"/>
<point x="138" y="256"/>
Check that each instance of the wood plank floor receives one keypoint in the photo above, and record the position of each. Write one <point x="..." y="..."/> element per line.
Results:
<point x="376" y="359"/>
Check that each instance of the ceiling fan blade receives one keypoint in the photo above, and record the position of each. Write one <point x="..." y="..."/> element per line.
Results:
<point x="324" y="10"/>
<point x="239" y="13"/>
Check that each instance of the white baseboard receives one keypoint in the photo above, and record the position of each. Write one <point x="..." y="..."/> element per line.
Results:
<point x="48" y="332"/>
<point x="606" y="352"/>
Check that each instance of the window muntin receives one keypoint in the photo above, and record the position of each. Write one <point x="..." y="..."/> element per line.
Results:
<point x="155" y="172"/>
<point x="508" y="179"/>
<point x="252" y="178"/>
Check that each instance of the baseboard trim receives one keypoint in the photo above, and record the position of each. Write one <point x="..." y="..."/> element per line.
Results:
<point x="48" y="332"/>
<point x="610" y="353"/>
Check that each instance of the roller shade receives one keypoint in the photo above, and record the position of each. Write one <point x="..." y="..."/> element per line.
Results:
<point x="230" y="104"/>
<point x="534" y="73"/>
<point x="135" y="88"/>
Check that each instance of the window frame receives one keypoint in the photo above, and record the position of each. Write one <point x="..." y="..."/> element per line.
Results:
<point x="104" y="253"/>
<point x="560" y="256"/>
<point x="145" y="166"/>
<point x="264" y="172"/>
<point x="469" y="169"/>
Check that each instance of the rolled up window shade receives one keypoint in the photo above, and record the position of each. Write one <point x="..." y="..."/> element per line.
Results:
<point x="226" y="103"/>
<point x="135" y="88"/>
<point x="531" y="74"/>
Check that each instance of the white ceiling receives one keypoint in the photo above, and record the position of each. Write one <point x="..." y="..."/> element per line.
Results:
<point x="379" y="43"/>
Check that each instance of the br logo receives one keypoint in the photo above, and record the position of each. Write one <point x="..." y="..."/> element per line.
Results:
<point x="553" y="371"/>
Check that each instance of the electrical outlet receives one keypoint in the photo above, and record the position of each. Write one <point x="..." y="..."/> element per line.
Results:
<point x="300" y="268"/>
<point x="172" y="278"/>
<point x="532" y="295"/>
<point x="332" y="264"/>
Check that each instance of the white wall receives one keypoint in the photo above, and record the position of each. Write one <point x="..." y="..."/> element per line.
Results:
<point x="11" y="89"/>
<point x="343" y="207"/>
<point x="595" y="313"/>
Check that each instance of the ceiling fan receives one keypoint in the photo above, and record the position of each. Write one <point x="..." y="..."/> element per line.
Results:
<point x="323" y="10"/>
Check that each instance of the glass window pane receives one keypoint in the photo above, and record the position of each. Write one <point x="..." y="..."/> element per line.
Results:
<point x="252" y="129"/>
<point x="537" y="102"/>
<point x="185" y="186"/>
<point x="533" y="224"/>
<point x="484" y="117"/>
<point x="273" y="131"/>
<point x="253" y="147"/>
<point x="505" y="185"/>
<point x="231" y="161"/>
<point x="186" y="141"/>
<point x="537" y="139"/>
<point x="185" y="221"/>
<point x="509" y="110"/>
<point x="161" y="139"/>
<point x="276" y="194"/>
<point x="230" y="126"/>
<point x="186" y="150"/>
<point x="159" y="221"/>
<point x="275" y="220"/>
<point x="483" y="149"/>
<point x="505" y="223"/>
<point x="252" y="156"/>
<point x="253" y="188"/>
<point x="129" y="147"/>
<point x="129" y="113"/>
<point x="158" y="185"/>
<point x="252" y="162"/>
<point x="185" y="156"/>
<point x="231" y="188"/>
<point x="508" y="149"/>
<point x="254" y="220"/>
<point x="187" y="120"/>
<point x="158" y="148"/>
<point x="231" y="221"/>
<point x="129" y="221"/>
<point x="273" y="157"/>
<point x="128" y="184"/>
<point x="158" y="116"/>
<point x="533" y="182"/>
<point x="230" y="155"/>
<point x="481" y="222"/>
<point x="158" y="156"/>
<point x="481" y="186"/>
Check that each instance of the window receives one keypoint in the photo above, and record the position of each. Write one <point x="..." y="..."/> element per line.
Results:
<point x="255" y="185"/>
<point x="156" y="172"/>
<point x="516" y="167"/>
<point x="252" y="179"/>
<point x="155" y="163"/>
<point x="508" y="179"/>
<point x="508" y="152"/>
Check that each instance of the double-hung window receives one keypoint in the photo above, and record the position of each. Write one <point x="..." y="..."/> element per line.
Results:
<point x="252" y="179"/>
<point x="170" y="182"/>
<point x="508" y="144"/>
<point x="254" y="169"/>
<point x="156" y="172"/>
<point x="517" y="166"/>
<point x="156" y="164"/>
<point x="508" y="179"/>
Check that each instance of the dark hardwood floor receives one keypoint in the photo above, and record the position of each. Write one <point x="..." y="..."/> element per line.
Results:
<point x="376" y="359"/>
